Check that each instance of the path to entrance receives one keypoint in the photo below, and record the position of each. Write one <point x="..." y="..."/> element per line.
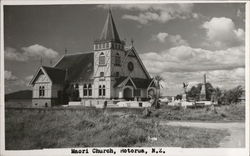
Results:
<point x="236" y="130"/>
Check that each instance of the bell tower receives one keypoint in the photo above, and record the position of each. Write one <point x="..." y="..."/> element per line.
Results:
<point x="108" y="53"/>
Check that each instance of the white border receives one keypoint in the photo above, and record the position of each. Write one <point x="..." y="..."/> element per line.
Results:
<point x="169" y="151"/>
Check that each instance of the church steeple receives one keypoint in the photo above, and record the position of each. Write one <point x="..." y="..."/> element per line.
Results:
<point x="109" y="32"/>
<point x="109" y="38"/>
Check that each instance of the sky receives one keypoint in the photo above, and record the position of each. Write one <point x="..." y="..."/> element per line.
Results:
<point x="178" y="41"/>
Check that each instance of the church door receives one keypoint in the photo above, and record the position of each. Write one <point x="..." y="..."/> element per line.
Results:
<point x="127" y="93"/>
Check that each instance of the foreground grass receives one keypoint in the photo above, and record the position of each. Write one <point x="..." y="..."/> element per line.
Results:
<point x="222" y="113"/>
<point x="92" y="128"/>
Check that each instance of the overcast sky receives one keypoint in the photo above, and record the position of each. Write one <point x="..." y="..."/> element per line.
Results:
<point x="180" y="42"/>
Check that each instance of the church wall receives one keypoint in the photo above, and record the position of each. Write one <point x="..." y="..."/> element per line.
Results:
<point x="137" y="72"/>
<point x="55" y="89"/>
<point x="42" y="80"/>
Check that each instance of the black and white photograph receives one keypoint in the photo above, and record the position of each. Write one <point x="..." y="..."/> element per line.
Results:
<point x="117" y="78"/>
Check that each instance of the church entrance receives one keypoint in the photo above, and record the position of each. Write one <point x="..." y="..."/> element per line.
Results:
<point x="127" y="93"/>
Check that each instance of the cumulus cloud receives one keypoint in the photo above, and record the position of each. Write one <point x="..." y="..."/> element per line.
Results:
<point x="34" y="51"/>
<point x="13" y="54"/>
<point x="221" y="32"/>
<point x="161" y="36"/>
<point x="185" y="58"/>
<point x="9" y="76"/>
<point x="155" y="12"/>
<point x="173" y="39"/>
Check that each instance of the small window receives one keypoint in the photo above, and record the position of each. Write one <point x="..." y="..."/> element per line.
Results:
<point x="85" y="90"/>
<point x="103" y="90"/>
<point x="117" y="59"/>
<point x="102" y="59"/>
<point x="100" y="90"/>
<point x="41" y="91"/>
<point x="117" y="74"/>
<point x="90" y="90"/>
<point x="101" y="74"/>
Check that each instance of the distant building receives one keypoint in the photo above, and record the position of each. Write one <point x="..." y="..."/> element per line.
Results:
<point x="110" y="71"/>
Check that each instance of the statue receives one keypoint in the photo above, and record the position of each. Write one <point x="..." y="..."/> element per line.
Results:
<point x="185" y="85"/>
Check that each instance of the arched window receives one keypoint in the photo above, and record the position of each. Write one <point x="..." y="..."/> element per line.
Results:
<point x="117" y="59"/>
<point x="90" y="90"/>
<point x="103" y="90"/>
<point x="100" y="90"/>
<point x="40" y="90"/>
<point x="85" y="90"/>
<point x="102" y="59"/>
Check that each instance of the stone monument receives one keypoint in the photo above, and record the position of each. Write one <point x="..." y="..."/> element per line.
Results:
<point x="203" y="90"/>
<point x="184" y="95"/>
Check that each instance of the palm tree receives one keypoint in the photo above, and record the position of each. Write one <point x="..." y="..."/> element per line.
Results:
<point x="157" y="80"/>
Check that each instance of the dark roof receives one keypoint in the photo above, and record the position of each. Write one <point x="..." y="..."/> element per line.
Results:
<point x="56" y="75"/>
<point x="77" y="66"/>
<point x="139" y="82"/>
<point x="109" y="32"/>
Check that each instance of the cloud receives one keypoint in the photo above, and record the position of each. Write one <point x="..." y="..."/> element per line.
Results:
<point x="224" y="79"/>
<point x="9" y="76"/>
<point x="221" y="32"/>
<point x="13" y="54"/>
<point x="173" y="39"/>
<point x="155" y="12"/>
<point x="35" y="51"/>
<point x="161" y="36"/>
<point x="187" y="59"/>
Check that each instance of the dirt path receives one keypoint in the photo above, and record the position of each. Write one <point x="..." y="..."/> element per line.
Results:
<point x="236" y="130"/>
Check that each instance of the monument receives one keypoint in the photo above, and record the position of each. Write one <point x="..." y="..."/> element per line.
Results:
<point x="203" y="90"/>
<point x="184" y="95"/>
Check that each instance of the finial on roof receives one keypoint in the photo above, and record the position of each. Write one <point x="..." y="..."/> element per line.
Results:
<point x="65" y="51"/>
<point x="132" y="42"/>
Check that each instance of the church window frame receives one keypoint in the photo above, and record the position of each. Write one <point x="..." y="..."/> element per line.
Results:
<point x="100" y="90"/>
<point x="117" y="74"/>
<point x="117" y="59"/>
<point x="101" y="74"/>
<point x="102" y="59"/>
<point x="85" y="90"/>
<point x="41" y="91"/>
<point x="89" y="90"/>
<point x="103" y="90"/>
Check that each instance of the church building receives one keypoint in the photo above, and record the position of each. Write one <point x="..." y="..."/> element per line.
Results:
<point x="111" y="71"/>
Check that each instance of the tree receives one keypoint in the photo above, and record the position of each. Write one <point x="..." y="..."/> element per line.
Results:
<point x="232" y="96"/>
<point x="194" y="92"/>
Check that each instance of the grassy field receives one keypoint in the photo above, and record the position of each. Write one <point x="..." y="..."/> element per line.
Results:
<point x="218" y="114"/>
<point x="31" y="129"/>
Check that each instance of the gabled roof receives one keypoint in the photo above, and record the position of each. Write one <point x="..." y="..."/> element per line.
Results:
<point x="56" y="75"/>
<point x="133" y="51"/>
<point x="77" y="66"/>
<point x="109" y="32"/>
<point x="137" y="82"/>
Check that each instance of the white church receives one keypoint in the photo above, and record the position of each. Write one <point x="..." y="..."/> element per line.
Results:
<point x="111" y="71"/>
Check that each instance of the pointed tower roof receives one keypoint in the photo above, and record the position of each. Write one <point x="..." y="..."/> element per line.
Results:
<point x="109" y="32"/>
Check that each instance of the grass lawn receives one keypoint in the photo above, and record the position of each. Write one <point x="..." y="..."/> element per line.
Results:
<point x="31" y="129"/>
<point x="223" y="113"/>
